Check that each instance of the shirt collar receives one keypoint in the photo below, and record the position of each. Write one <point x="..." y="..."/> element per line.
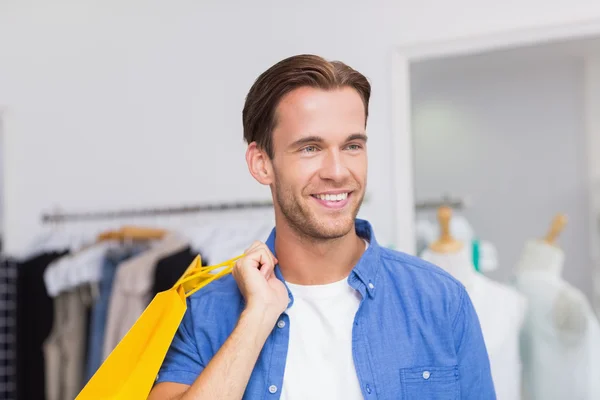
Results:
<point x="363" y="275"/>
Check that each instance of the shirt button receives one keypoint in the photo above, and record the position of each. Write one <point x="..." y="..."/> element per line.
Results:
<point x="371" y="286"/>
<point x="426" y="374"/>
<point x="281" y="324"/>
<point x="272" y="389"/>
<point x="368" y="388"/>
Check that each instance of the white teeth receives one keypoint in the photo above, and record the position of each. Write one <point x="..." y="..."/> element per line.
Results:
<point x="332" y="197"/>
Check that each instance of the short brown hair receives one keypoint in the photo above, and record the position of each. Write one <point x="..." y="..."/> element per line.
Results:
<point x="291" y="73"/>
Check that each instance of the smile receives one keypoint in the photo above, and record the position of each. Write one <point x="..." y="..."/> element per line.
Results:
<point x="332" y="200"/>
<point x="332" y="197"/>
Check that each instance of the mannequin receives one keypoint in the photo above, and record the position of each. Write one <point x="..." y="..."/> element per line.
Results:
<point x="485" y="254"/>
<point x="500" y="308"/>
<point x="561" y="337"/>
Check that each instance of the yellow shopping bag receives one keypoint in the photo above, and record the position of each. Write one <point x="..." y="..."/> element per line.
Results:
<point x="131" y="368"/>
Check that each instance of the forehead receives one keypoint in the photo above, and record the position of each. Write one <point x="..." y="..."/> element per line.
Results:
<point x="309" y="111"/>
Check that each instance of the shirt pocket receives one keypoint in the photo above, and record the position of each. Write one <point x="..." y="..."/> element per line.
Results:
<point x="430" y="383"/>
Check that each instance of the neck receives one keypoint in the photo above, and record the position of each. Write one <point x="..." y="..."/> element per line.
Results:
<point x="309" y="261"/>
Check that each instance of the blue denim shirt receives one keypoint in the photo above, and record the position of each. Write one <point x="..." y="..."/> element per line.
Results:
<point x="416" y="334"/>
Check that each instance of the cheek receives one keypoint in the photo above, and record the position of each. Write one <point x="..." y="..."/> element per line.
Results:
<point x="300" y="173"/>
<point x="358" y="167"/>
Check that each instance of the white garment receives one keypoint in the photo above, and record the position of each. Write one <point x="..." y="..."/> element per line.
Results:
<point x="224" y="239"/>
<point x="319" y="358"/>
<point x="561" y="339"/>
<point x="68" y="272"/>
<point x="501" y="311"/>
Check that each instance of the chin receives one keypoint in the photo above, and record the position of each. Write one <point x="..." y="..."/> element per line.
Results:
<point x="329" y="228"/>
<point x="315" y="222"/>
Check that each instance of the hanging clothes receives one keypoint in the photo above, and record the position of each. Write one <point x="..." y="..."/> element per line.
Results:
<point x="35" y="313"/>
<point x="132" y="289"/>
<point x="8" y="326"/>
<point x="72" y="281"/>
<point x="64" y="349"/>
<point x="75" y="305"/>
<point x="561" y="335"/>
<point x="113" y="259"/>
<point x="501" y="311"/>
<point x="79" y="268"/>
<point x="170" y="268"/>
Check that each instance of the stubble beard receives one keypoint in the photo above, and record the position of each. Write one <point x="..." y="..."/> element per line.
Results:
<point x="302" y="220"/>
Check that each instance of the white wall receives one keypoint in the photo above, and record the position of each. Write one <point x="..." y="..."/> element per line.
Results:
<point x="129" y="103"/>
<point x="510" y="137"/>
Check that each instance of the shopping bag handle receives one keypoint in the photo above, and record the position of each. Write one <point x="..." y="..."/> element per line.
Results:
<point x="195" y="278"/>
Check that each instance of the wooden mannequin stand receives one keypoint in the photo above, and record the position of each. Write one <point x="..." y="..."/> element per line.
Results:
<point x="446" y="243"/>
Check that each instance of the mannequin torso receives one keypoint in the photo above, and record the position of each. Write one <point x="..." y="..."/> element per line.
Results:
<point x="556" y="342"/>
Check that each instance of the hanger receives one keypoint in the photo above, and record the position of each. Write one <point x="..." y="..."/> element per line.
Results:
<point x="446" y="243"/>
<point x="130" y="232"/>
<point x="558" y="225"/>
<point x="84" y="266"/>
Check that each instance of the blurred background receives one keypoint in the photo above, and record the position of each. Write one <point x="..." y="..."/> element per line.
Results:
<point x="484" y="139"/>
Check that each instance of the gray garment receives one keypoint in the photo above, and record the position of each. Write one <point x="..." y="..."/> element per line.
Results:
<point x="64" y="349"/>
<point x="132" y="289"/>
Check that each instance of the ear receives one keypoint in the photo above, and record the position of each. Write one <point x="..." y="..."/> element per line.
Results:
<point x="259" y="164"/>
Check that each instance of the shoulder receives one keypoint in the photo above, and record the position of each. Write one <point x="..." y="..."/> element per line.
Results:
<point x="412" y="270"/>
<point x="223" y="290"/>
<point x="422" y="283"/>
<point x="220" y="301"/>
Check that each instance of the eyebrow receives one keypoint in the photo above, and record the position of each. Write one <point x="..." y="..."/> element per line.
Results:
<point x="318" y="139"/>
<point x="357" y="136"/>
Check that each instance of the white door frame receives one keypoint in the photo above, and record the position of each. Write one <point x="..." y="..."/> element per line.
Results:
<point x="402" y="145"/>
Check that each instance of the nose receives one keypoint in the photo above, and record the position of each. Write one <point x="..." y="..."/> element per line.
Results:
<point x="334" y="167"/>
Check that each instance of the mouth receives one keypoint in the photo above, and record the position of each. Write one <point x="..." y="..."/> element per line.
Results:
<point x="332" y="200"/>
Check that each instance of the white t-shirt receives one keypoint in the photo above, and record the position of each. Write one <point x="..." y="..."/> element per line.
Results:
<point x="319" y="362"/>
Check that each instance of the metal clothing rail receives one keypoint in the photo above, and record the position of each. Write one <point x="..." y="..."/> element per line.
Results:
<point x="59" y="217"/>
<point x="456" y="203"/>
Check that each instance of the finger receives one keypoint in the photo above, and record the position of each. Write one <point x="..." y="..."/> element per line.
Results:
<point x="273" y="258"/>
<point x="264" y="259"/>
<point x="260" y="245"/>
<point x="268" y="268"/>
<point x="256" y="244"/>
<point x="275" y="261"/>
<point x="234" y="271"/>
<point x="255" y="258"/>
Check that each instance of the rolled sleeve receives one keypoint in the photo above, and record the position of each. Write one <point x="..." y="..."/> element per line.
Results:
<point x="182" y="363"/>
<point x="473" y="360"/>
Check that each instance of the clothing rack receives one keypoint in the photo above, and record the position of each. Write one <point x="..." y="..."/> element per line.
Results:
<point x="455" y="203"/>
<point x="60" y="217"/>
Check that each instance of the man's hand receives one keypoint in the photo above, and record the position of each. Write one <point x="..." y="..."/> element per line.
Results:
<point x="228" y="372"/>
<point x="255" y="277"/>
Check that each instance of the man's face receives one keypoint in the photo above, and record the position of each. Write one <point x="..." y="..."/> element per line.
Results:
<point x="320" y="161"/>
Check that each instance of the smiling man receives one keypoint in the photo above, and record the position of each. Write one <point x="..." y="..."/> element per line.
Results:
<point x="321" y="310"/>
